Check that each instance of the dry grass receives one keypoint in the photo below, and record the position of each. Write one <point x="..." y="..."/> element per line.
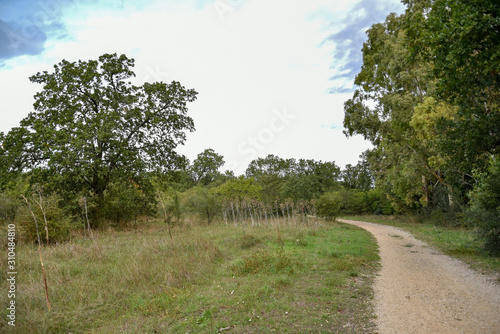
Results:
<point x="249" y="279"/>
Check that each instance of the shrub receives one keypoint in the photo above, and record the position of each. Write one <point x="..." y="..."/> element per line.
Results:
<point x="328" y="205"/>
<point x="484" y="211"/>
<point x="203" y="202"/>
<point x="126" y="200"/>
<point x="169" y="204"/>
<point x="353" y="202"/>
<point x="263" y="261"/>
<point x="249" y="241"/>
<point x="59" y="223"/>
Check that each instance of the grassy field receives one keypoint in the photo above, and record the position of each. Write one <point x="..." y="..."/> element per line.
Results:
<point x="308" y="278"/>
<point x="454" y="241"/>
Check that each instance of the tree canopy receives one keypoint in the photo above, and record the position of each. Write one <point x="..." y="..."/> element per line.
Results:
<point x="206" y="166"/>
<point x="91" y="126"/>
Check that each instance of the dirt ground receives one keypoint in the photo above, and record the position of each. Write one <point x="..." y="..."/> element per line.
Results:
<point x="420" y="290"/>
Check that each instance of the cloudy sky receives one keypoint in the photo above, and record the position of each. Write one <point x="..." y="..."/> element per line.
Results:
<point x="272" y="76"/>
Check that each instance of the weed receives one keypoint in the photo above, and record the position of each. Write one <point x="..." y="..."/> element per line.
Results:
<point x="262" y="261"/>
<point x="345" y="263"/>
<point x="249" y="241"/>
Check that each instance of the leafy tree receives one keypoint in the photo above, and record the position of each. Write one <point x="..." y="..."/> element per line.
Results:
<point x="202" y="201"/>
<point x="294" y="179"/>
<point x="328" y="205"/>
<point x="357" y="177"/>
<point x="205" y="168"/>
<point x="301" y="187"/>
<point x="126" y="200"/>
<point x="179" y="179"/>
<point x="270" y="165"/>
<point x="382" y="108"/>
<point x="92" y="127"/>
<point x="239" y="189"/>
<point x="326" y="173"/>
<point x="461" y="39"/>
<point x="270" y="173"/>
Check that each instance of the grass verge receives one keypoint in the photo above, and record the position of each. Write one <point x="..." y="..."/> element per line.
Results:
<point x="207" y="279"/>
<point x="455" y="241"/>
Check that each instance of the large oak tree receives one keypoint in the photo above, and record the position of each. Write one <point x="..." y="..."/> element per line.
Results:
<point x="91" y="126"/>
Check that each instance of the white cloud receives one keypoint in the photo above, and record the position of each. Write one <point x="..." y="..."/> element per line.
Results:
<point x="260" y="57"/>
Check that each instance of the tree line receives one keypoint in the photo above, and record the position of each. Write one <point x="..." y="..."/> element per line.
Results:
<point x="99" y="149"/>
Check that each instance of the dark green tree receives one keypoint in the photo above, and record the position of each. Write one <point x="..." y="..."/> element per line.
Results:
<point x="91" y="126"/>
<point x="206" y="166"/>
<point x="357" y="177"/>
<point x="301" y="187"/>
<point x="329" y="205"/>
<point x="270" y="165"/>
<point x="484" y="211"/>
<point x="239" y="189"/>
<point x="461" y="39"/>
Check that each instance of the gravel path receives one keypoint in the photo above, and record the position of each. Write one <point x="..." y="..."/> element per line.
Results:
<point x="420" y="290"/>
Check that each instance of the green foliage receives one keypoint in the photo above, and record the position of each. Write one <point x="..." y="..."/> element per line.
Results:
<point x="381" y="110"/>
<point x="357" y="177"/>
<point x="270" y="165"/>
<point x="397" y="108"/>
<point x="205" y="168"/>
<point x="485" y="206"/>
<point x="239" y="190"/>
<point x="302" y="179"/>
<point x="92" y="128"/>
<point x="10" y="198"/>
<point x="125" y="201"/>
<point x="202" y="201"/>
<point x="59" y="223"/>
<point x="303" y="187"/>
<point x="353" y="202"/>
<point x="179" y="179"/>
<point x="460" y="39"/>
<point x="377" y="202"/>
<point x="169" y="204"/>
<point x="8" y="207"/>
<point x="328" y="205"/>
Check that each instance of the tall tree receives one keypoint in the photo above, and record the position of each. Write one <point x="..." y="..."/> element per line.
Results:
<point x="91" y="126"/>
<point x="462" y="40"/>
<point x="390" y="88"/>
<point x="381" y="109"/>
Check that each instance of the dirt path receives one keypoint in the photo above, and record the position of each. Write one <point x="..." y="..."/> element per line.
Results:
<point x="420" y="290"/>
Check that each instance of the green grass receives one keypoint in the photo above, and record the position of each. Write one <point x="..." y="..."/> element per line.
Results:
<point x="458" y="242"/>
<point x="240" y="279"/>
